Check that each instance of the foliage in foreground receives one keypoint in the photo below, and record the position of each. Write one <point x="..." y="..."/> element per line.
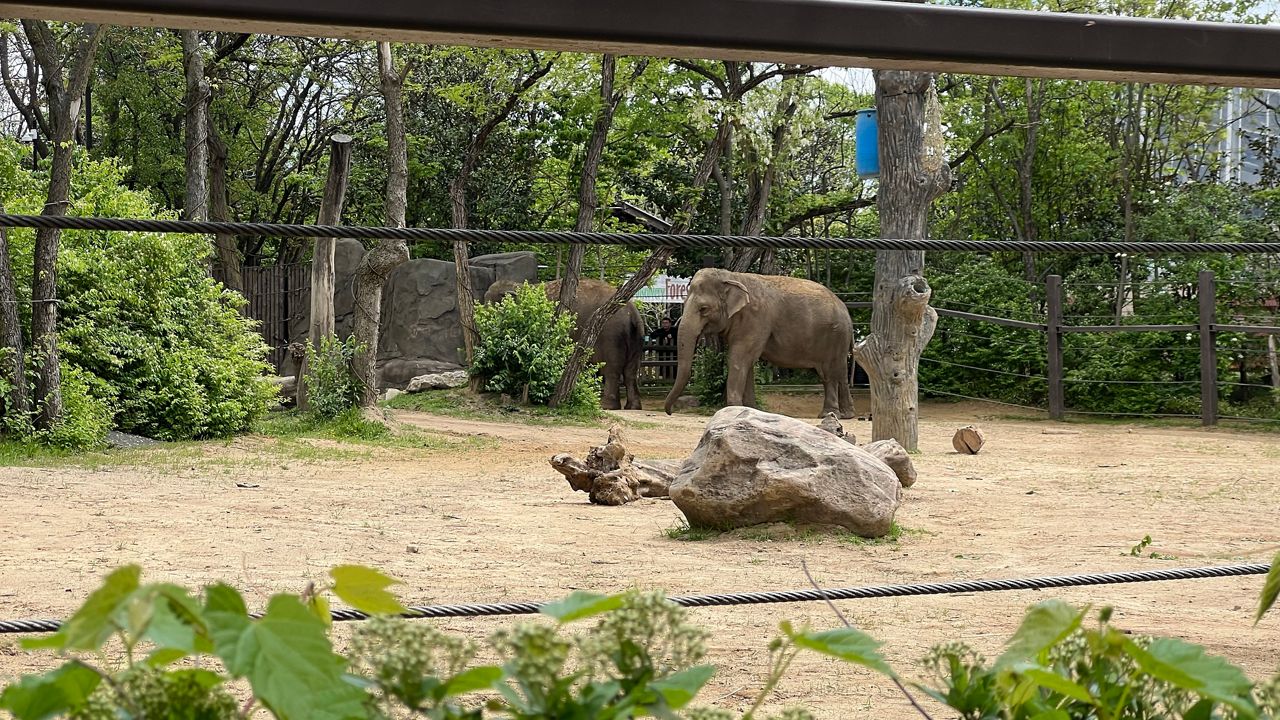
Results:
<point x="640" y="657"/>
<point x="524" y="347"/>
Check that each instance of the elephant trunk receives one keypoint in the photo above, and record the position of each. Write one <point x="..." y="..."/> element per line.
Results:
<point x="687" y="343"/>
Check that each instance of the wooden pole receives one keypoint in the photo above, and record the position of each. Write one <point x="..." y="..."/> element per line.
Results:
<point x="323" y="278"/>
<point x="1053" y="338"/>
<point x="1272" y="360"/>
<point x="1208" y="350"/>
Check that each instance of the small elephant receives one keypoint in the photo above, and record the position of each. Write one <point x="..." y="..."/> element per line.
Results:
<point x="621" y="342"/>
<point x="789" y="322"/>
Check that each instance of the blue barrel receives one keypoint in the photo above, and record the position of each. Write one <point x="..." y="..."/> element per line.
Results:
<point x="866" y="158"/>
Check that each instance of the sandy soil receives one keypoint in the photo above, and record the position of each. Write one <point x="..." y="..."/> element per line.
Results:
<point x="480" y="516"/>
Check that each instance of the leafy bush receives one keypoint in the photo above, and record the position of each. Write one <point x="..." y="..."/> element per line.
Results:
<point x="332" y="386"/>
<point x="641" y="657"/>
<point x="710" y="376"/>
<point x="157" y="340"/>
<point x="983" y="287"/>
<point x="524" y="347"/>
<point x="86" y="414"/>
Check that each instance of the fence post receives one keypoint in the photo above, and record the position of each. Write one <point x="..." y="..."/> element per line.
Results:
<point x="1207" y="291"/>
<point x="1053" y="341"/>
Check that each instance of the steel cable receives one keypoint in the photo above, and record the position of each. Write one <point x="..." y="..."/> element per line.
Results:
<point x="786" y="596"/>
<point x="626" y="239"/>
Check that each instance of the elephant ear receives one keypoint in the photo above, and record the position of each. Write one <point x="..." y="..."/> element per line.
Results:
<point x="736" y="297"/>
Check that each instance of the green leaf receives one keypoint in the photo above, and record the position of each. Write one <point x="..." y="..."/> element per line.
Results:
<point x="1052" y="715"/>
<point x="204" y="679"/>
<point x="286" y="657"/>
<point x="52" y="694"/>
<point x="365" y="590"/>
<point x="1270" y="590"/>
<point x="1046" y="624"/>
<point x="1054" y="682"/>
<point x="166" y="630"/>
<point x="581" y="604"/>
<point x="845" y="643"/>
<point x="165" y="656"/>
<point x="1188" y="666"/>
<point x="319" y="606"/>
<point x="56" y="641"/>
<point x="679" y="689"/>
<point x="94" y="622"/>
<point x="228" y="621"/>
<point x="1202" y="710"/>
<point x="477" y="678"/>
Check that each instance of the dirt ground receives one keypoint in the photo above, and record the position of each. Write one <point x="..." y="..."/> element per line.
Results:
<point x="479" y="516"/>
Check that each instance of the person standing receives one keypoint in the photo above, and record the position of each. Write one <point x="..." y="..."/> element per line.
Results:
<point x="665" y="335"/>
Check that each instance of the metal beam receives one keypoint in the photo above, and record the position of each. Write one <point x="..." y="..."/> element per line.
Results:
<point x="860" y="33"/>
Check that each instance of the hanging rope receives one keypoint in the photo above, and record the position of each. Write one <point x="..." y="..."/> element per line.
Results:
<point x="787" y="596"/>
<point x="637" y="240"/>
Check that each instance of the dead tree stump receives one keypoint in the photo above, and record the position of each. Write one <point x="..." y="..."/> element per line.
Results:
<point x="611" y="476"/>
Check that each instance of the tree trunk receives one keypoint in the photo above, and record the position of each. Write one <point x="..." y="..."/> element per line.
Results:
<point x="761" y="184"/>
<point x="17" y="403"/>
<point x="723" y="172"/>
<point x="458" y="204"/>
<point x="1273" y="361"/>
<point x="1034" y="91"/>
<point x="323" y="277"/>
<point x="462" y="267"/>
<point x="195" y="204"/>
<point x="657" y="259"/>
<point x="588" y="201"/>
<point x="225" y="248"/>
<point x="376" y="265"/>
<point x="65" y="96"/>
<point x="901" y="320"/>
<point x="1127" y="160"/>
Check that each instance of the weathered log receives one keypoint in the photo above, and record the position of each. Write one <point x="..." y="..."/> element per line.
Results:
<point x="968" y="440"/>
<point x="611" y="476"/>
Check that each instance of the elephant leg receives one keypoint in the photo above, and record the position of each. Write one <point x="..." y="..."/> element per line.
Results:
<point x="829" y="400"/>
<point x="631" y="378"/>
<point x="609" y="392"/>
<point x="844" y="393"/>
<point x="741" y="362"/>
<point x="749" y="397"/>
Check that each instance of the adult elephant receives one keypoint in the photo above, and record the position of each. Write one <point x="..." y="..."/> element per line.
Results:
<point x="789" y="322"/>
<point x="619" y="347"/>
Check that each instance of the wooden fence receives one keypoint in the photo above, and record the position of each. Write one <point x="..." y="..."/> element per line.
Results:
<point x="1207" y="328"/>
<point x="275" y="293"/>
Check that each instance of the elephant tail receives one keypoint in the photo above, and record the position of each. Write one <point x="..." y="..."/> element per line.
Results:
<point x="635" y="342"/>
<point x="853" y="362"/>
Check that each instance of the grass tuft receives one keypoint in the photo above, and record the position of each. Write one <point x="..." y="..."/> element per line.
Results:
<point x="470" y="406"/>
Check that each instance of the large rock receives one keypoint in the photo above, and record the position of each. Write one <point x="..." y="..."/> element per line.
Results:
<point x="420" y="318"/>
<point x="420" y="334"/>
<point x="438" y="381"/>
<point x="514" y="267"/>
<point x="753" y="467"/>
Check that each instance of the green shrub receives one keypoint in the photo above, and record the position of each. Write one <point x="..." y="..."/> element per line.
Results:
<point x="710" y="376"/>
<point x="983" y="287"/>
<point x="86" y="415"/>
<point x="524" y="347"/>
<point x="164" y="345"/>
<point x="332" y="386"/>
